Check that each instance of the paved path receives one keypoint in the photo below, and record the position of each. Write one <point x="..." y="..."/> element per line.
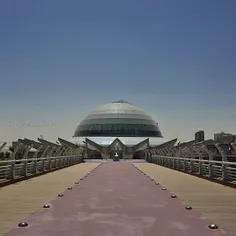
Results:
<point x="116" y="199"/>
<point x="215" y="201"/>
<point x="18" y="201"/>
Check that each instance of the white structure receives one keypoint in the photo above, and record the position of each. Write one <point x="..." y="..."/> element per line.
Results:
<point x="118" y="120"/>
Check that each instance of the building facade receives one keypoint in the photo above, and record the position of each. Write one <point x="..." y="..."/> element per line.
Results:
<point x="224" y="138"/>
<point x="200" y="136"/>
<point x="117" y="127"/>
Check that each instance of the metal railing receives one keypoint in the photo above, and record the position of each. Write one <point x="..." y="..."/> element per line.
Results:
<point x="215" y="170"/>
<point x="16" y="169"/>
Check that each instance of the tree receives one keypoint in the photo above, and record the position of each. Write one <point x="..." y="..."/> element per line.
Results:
<point x="7" y="155"/>
<point x="2" y="155"/>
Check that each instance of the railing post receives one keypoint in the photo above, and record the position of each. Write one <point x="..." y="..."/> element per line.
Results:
<point x="152" y="155"/>
<point x="173" y="162"/>
<point x="58" y="150"/>
<point x="45" y="154"/>
<point x="36" y="155"/>
<point x="155" y="161"/>
<point x="191" y="159"/>
<point x="43" y="166"/>
<point x="210" y="169"/>
<point x="175" y="154"/>
<point x="25" y="158"/>
<point x="164" y="160"/>
<point x="50" y="163"/>
<point x="210" y="164"/>
<point x="182" y="156"/>
<point x="172" y="153"/>
<point x="61" y="156"/>
<point x="149" y="156"/>
<point x="224" y="172"/>
<point x="224" y="166"/>
<point x="184" y="164"/>
<point x="35" y="169"/>
<point x="159" y="159"/>
<point x="158" y="156"/>
<point x="25" y="168"/>
<point x="200" y="160"/>
<point x="13" y="170"/>
<point x="146" y="155"/>
<point x="200" y="163"/>
<point x="165" y="154"/>
<point x="59" y="161"/>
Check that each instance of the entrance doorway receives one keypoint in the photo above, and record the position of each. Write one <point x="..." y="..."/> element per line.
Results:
<point x="138" y="155"/>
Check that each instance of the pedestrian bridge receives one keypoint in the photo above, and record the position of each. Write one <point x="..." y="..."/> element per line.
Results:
<point x="113" y="198"/>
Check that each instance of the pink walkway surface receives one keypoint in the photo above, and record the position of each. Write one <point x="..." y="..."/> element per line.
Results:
<point x="116" y="199"/>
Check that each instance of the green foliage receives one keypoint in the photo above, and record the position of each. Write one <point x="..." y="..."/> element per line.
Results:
<point x="4" y="156"/>
<point x="7" y="155"/>
<point x="11" y="149"/>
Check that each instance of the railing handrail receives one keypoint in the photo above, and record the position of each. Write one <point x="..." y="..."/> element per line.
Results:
<point x="19" y="169"/>
<point x="36" y="159"/>
<point x="200" y="160"/>
<point x="222" y="171"/>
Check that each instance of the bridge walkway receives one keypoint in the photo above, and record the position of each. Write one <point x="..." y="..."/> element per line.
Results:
<point x="116" y="199"/>
<point x="215" y="201"/>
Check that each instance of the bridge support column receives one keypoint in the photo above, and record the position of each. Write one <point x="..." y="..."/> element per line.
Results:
<point x="12" y="173"/>
<point x="210" y="165"/>
<point x="224" y="159"/>
<point x="25" y="157"/>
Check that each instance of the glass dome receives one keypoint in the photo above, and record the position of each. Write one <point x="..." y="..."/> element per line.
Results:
<point x="118" y="119"/>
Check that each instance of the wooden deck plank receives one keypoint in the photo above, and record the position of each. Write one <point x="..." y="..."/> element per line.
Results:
<point x="215" y="201"/>
<point x="18" y="201"/>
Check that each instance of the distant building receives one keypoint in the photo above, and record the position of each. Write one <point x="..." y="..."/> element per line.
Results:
<point x="224" y="138"/>
<point x="200" y="136"/>
<point x="234" y="137"/>
<point x="14" y="144"/>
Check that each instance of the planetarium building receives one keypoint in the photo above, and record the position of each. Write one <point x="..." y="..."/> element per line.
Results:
<point x="117" y="127"/>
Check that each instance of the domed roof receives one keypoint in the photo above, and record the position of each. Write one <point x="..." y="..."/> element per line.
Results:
<point x="120" y="119"/>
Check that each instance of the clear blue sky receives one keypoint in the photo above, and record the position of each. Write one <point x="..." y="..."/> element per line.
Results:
<point x="175" y="59"/>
